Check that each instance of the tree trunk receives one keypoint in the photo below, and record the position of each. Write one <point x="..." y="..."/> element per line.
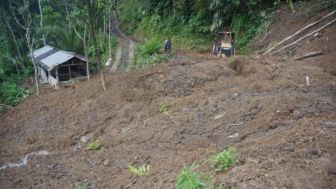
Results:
<point x="67" y="12"/>
<point x="94" y="38"/>
<point x="83" y="38"/>
<point x="13" y="35"/>
<point x="109" y="33"/>
<point x="41" y="22"/>
<point x="30" y="44"/>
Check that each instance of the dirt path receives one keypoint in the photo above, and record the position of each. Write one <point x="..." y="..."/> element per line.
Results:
<point x="124" y="58"/>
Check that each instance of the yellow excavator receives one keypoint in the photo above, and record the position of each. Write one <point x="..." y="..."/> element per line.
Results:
<point x="224" y="44"/>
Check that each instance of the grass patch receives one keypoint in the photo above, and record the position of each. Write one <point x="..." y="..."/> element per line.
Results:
<point x="164" y="106"/>
<point x="80" y="185"/>
<point x="95" y="145"/>
<point x="190" y="179"/>
<point x="140" y="171"/>
<point x="225" y="159"/>
<point x="149" y="53"/>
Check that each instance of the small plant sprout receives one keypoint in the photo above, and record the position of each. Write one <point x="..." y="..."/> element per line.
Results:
<point x="95" y="145"/>
<point x="189" y="179"/>
<point x="140" y="171"/>
<point x="80" y="185"/>
<point x="225" y="159"/>
<point x="164" y="106"/>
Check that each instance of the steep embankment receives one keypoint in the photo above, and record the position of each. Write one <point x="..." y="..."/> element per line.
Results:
<point x="283" y="130"/>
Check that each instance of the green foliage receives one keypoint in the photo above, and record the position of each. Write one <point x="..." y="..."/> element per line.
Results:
<point x="225" y="159"/>
<point x="140" y="171"/>
<point x="151" y="47"/>
<point x="60" y="37"/>
<point x="189" y="179"/>
<point x="95" y="145"/>
<point x="164" y="106"/>
<point x="149" y="54"/>
<point x="80" y="185"/>
<point x="11" y="93"/>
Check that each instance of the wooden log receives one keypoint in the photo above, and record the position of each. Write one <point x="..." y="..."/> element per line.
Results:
<point x="310" y="54"/>
<point x="148" y="74"/>
<point x="304" y="37"/>
<point x="298" y="32"/>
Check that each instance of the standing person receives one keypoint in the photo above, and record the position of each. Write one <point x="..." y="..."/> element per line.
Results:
<point x="168" y="45"/>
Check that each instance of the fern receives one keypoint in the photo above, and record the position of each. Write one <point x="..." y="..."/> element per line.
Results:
<point x="140" y="171"/>
<point x="189" y="179"/>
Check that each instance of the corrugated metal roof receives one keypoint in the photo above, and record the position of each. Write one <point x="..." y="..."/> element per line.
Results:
<point x="49" y="57"/>
<point x="42" y="50"/>
<point x="56" y="59"/>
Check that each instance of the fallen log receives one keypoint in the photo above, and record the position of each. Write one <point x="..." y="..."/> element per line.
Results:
<point x="298" y="32"/>
<point x="148" y="74"/>
<point x="304" y="37"/>
<point x="310" y="54"/>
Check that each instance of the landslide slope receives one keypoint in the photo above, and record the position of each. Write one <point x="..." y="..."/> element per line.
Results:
<point x="284" y="131"/>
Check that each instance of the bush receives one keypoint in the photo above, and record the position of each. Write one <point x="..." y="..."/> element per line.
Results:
<point x="151" y="47"/>
<point x="189" y="179"/>
<point x="164" y="107"/>
<point x="225" y="159"/>
<point x="96" y="145"/>
<point x="11" y="93"/>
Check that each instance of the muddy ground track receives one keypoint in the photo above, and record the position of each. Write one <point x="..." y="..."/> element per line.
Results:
<point x="125" y="53"/>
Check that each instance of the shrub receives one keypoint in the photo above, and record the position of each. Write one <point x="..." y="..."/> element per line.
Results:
<point x="151" y="47"/>
<point x="95" y="145"/>
<point x="189" y="179"/>
<point x="11" y="93"/>
<point x="225" y="159"/>
<point x="164" y="107"/>
<point x="140" y="171"/>
<point x="80" y="185"/>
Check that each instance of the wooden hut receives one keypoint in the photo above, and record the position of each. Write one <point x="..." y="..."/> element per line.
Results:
<point x="57" y="66"/>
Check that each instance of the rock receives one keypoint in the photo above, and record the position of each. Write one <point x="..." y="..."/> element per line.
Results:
<point x="274" y="125"/>
<point x="234" y="135"/>
<point x="106" y="162"/>
<point x="330" y="123"/>
<point x="235" y="95"/>
<point x="84" y="139"/>
<point x="297" y="114"/>
<point x="219" y="116"/>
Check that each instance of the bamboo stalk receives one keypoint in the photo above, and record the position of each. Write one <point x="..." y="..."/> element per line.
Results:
<point x="304" y="37"/>
<point x="299" y="31"/>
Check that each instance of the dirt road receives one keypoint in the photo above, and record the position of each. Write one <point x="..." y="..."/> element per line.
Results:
<point x="125" y="54"/>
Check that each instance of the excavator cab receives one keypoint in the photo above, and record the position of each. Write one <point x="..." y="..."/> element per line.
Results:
<point x="224" y="44"/>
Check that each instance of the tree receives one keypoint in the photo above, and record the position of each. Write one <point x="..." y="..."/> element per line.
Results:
<point x="83" y="38"/>
<point x="41" y="21"/>
<point x="26" y="25"/>
<point x="91" y="10"/>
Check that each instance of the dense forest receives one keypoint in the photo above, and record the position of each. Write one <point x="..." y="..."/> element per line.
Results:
<point x="82" y="26"/>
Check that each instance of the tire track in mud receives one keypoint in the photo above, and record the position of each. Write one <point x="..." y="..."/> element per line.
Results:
<point x="125" y="54"/>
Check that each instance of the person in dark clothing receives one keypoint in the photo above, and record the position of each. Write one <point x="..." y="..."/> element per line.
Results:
<point x="168" y="45"/>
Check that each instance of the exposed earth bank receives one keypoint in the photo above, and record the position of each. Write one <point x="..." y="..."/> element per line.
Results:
<point x="283" y="130"/>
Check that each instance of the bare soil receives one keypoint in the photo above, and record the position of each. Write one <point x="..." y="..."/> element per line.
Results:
<point x="283" y="130"/>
